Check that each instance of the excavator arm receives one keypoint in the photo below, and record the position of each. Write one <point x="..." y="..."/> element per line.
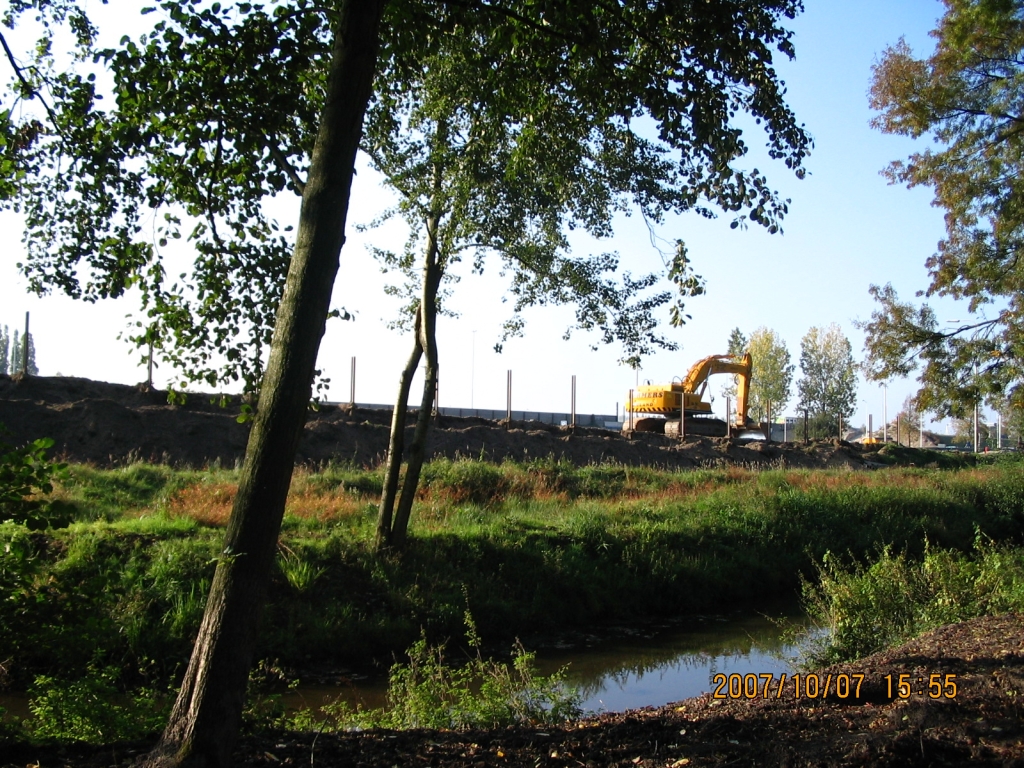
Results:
<point x="686" y="396"/>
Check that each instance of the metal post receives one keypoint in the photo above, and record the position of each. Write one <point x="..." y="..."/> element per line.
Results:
<point x="976" y="440"/>
<point x="508" y="399"/>
<point x="885" y="413"/>
<point x="573" y="423"/>
<point x="999" y="431"/>
<point x="920" y="429"/>
<point x="682" y="417"/>
<point x="806" y="440"/>
<point x="631" y="413"/>
<point x="24" y="349"/>
<point x="149" y="379"/>
<point x="897" y="429"/>
<point x="871" y="427"/>
<point x="768" y="416"/>
<point x="728" y="416"/>
<point x="352" y="384"/>
<point x="840" y="426"/>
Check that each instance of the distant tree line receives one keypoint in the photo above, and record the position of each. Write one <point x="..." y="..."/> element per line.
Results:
<point x="11" y="351"/>
<point x="827" y="388"/>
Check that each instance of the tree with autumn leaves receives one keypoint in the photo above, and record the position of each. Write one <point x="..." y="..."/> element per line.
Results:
<point x="968" y="98"/>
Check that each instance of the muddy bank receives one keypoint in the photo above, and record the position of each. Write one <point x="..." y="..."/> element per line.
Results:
<point x="980" y="725"/>
<point x="112" y="424"/>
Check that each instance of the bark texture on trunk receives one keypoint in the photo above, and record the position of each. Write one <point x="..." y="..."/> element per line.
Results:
<point x="396" y="446"/>
<point x="393" y="525"/>
<point x="205" y="720"/>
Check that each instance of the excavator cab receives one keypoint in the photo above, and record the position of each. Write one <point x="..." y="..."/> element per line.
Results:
<point x="653" y="408"/>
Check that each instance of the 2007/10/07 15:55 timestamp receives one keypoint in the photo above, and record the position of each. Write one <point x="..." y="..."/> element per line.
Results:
<point x="820" y="686"/>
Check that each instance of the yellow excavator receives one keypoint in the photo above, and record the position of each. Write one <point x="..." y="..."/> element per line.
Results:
<point x="686" y="396"/>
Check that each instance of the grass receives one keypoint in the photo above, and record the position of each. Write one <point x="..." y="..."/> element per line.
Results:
<point x="870" y="607"/>
<point x="525" y="547"/>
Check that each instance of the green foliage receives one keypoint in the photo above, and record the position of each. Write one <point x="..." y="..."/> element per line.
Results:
<point x="868" y="608"/>
<point x="829" y="383"/>
<point x="25" y="472"/>
<point x="772" y="374"/>
<point x="540" y="122"/>
<point x="967" y="98"/>
<point x="428" y="692"/>
<point x="93" y="709"/>
<point x="558" y="546"/>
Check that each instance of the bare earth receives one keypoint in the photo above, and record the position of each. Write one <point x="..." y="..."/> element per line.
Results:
<point x="114" y="424"/>
<point x="981" y="725"/>
<point x="107" y="424"/>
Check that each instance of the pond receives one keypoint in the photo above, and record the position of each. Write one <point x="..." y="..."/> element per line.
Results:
<point x="620" y="668"/>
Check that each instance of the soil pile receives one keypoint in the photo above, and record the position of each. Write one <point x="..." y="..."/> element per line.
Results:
<point x="114" y="424"/>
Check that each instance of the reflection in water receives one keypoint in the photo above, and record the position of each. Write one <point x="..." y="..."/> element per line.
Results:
<point x="627" y="668"/>
<point x="622" y="668"/>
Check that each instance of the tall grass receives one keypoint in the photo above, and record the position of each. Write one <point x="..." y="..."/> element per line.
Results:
<point x="532" y="546"/>
<point x="869" y="607"/>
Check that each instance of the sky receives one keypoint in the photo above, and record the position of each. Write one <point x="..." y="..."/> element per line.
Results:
<point x="847" y="229"/>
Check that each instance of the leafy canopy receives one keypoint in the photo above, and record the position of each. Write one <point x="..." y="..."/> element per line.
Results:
<point x="968" y="96"/>
<point x="829" y="382"/>
<point x="214" y="108"/>
<point x="771" y="377"/>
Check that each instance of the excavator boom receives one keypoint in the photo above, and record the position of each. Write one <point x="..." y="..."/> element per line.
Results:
<point x="686" y="396"/>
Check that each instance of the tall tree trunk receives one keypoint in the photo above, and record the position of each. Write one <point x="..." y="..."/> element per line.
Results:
<point x="428" y="342"/>
<point x="204" y="722"/>
<point x="396" y="445"/>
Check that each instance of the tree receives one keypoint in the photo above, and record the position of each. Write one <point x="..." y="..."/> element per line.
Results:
<point x="828" y="386"/>
<point x="772" y="374"/>
<point x="910" y="423"/>
<point x="5" y="349"/>
<point x="967" y="95"/>
<point x="488" y="170"/>
<point x="737" y="345"/>
<point x="200" y="130"/>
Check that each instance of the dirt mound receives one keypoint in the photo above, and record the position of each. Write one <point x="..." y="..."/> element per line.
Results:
<point x="113" y="424"/>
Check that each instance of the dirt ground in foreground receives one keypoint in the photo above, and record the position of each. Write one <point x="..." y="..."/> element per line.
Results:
<point x="113" y="424"/>
<point x="981" y="725"/>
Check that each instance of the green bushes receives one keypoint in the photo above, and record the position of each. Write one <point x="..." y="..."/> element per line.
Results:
<point x="870" y="607"/>
<point x="531" y="546"/>
<point x="429" y="692"/>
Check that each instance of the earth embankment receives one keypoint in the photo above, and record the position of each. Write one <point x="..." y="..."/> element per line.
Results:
<point x="113" y="424"/>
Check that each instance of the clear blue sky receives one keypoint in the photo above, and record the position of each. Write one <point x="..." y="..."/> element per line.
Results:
<point x="846" y="229"/>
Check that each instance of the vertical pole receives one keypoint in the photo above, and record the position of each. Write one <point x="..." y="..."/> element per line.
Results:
<point x="728" y="416"/>
<point x="149" y="378"/>
<point x="508" y="399"/>
<point x="871" y="427"/>
<point x="352" y="384"/>
<point x="840" y="426"/>
<point x="920" y="429"/>
<point x="768" y="417"/>
<point x="682" y="417"/>
<point x="999" y="431"/>
<point x="437" y="395"/>
<point x="24" y="349"/>
<point x="976" y="440"/>
<point x="631" y="413"/>
<point x="805" y="427"/>
<point x="897" y="429"/>
<point x="472" y="374"/>
<point x="885" y="414"/>
<point x="574" y="402"/>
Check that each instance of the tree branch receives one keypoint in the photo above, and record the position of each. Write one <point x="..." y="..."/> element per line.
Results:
<point x="33" y="92"/>
<point x="289" y="170"/>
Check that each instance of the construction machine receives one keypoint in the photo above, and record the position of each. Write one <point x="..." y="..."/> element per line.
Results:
<point x="658" y="407"/>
